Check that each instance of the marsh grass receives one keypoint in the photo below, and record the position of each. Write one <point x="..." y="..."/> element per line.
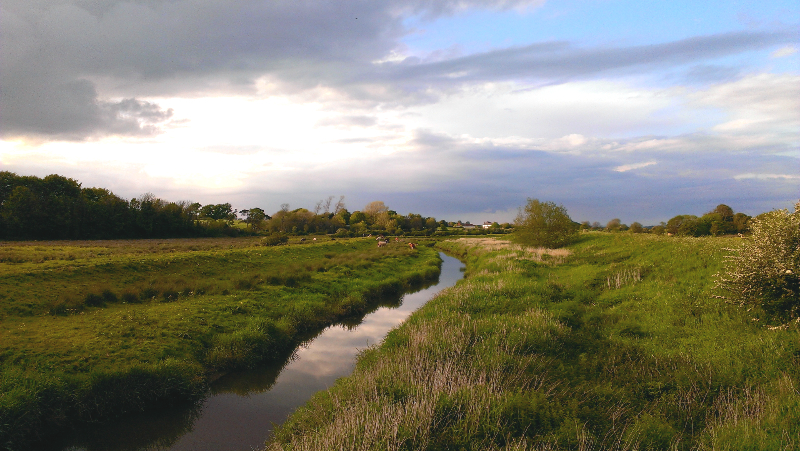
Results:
<point x="618" y="345"/>
<point x="88" y="339"/>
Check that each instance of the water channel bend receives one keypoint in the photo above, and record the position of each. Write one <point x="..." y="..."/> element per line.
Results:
<point x="243" y="407"/>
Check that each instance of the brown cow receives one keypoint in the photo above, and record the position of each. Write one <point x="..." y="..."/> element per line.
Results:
<point x="412" y="245"/>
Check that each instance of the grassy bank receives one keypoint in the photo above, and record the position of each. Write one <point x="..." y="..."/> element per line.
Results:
<point x="614" y="344"/>
<point x="90" y="330"/>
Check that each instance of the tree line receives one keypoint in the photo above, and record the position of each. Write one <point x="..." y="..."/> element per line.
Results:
<point x="56" y="207"/>
<point x="720" y="221"/>
<point x="375" y="218"/>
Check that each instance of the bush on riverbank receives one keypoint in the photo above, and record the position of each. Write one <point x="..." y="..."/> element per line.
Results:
<point x="618" y="345"/>
<point x="764" y="271"/>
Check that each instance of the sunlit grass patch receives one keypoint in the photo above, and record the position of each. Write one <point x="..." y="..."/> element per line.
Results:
<point x="67" y="328"/>
<point x="620" y="345"/>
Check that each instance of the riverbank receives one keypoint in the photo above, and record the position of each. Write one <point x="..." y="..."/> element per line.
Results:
<point x="168" y="318"/>
<point x="614" y="343"/>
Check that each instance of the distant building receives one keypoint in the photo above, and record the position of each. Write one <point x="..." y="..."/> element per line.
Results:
<point x="487" y="224"/>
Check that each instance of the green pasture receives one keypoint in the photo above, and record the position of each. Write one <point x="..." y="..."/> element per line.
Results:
<point x="616" y="343"/>
<point x="89" y="330"/>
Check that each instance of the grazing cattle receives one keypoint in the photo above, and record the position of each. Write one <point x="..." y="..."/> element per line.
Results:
<point x="412" y="245"/>
<point x="382" y="243"/>
<point x="302" y="239"/>
<point x="314" y="239"/>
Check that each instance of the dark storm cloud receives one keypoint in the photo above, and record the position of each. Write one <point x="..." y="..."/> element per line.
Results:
<point x="72" y="110"/>
<point x="56" y="55"/>
<point x="60" y="61"/>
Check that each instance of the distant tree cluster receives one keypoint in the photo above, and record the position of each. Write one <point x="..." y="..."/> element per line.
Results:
<point x="720" y="221"/>
<point x="56" y="207"/>
<point x="375" y="217"/>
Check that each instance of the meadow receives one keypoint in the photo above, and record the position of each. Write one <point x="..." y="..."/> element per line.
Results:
<point x="94" y="329"/>
<point x="616" y="342"/>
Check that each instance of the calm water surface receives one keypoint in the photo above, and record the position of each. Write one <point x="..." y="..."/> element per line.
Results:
<point x="243" y="407"/>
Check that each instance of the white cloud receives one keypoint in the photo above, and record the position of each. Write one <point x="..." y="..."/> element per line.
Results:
<point x="784" y="51"/>
<point x="760" y="103"/>
<point x="767" y="176"/>
<point x="629" y="167"/>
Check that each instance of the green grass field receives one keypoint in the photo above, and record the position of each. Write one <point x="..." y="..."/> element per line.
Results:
<point x="89" y="330"/>
<point x="616" y="343"/>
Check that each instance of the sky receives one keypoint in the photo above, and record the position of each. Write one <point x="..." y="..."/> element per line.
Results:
<point x="461" y="110"/>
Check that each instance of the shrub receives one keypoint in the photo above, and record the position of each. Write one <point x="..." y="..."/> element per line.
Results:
<point x="764" y="270"/>
<point x="274" y="240"/>
<point x="109" y="296"/>
<point x="130" y="297"/>
<point x="148" y="293"/>
<point x="545" y="224"/>
<point x="94" y="300"/>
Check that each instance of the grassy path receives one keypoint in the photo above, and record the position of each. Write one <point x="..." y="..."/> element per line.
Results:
<point x="617" y="344"/>
<point x="98" y="329"/>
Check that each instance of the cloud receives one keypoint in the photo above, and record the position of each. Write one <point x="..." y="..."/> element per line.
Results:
<point x="767" y="176"/>
<point x="347" y="121"/>
<point x="64" y="61"/>
<point x="561" y="61"/>
<point x="72" y="110"/>
<point x="629" y="167"/>
<point x="784" y="51"/>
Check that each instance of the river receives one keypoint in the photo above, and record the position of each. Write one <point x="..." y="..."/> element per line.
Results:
<point x="244" y="407"/>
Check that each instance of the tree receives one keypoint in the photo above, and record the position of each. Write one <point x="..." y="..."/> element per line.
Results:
<point x="613" y="225"/>
<point x="636" y="228"/>
<point x="740" y="222"/>
<point x="357" y="217"/>
<point x="725" y="212"/>
<point x="342" y="216"/>
<point x="765" y="270"/>
<point x="544" y="224"/>
<point x="680" y="223"/>
<point x="218" y="212"/>
<point x="340" y="206"/>
<point x="373" y="209"/>
<point x="255" y="217"/>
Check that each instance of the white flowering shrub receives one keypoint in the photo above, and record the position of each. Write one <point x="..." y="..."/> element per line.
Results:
<point x="765" y="270"/>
